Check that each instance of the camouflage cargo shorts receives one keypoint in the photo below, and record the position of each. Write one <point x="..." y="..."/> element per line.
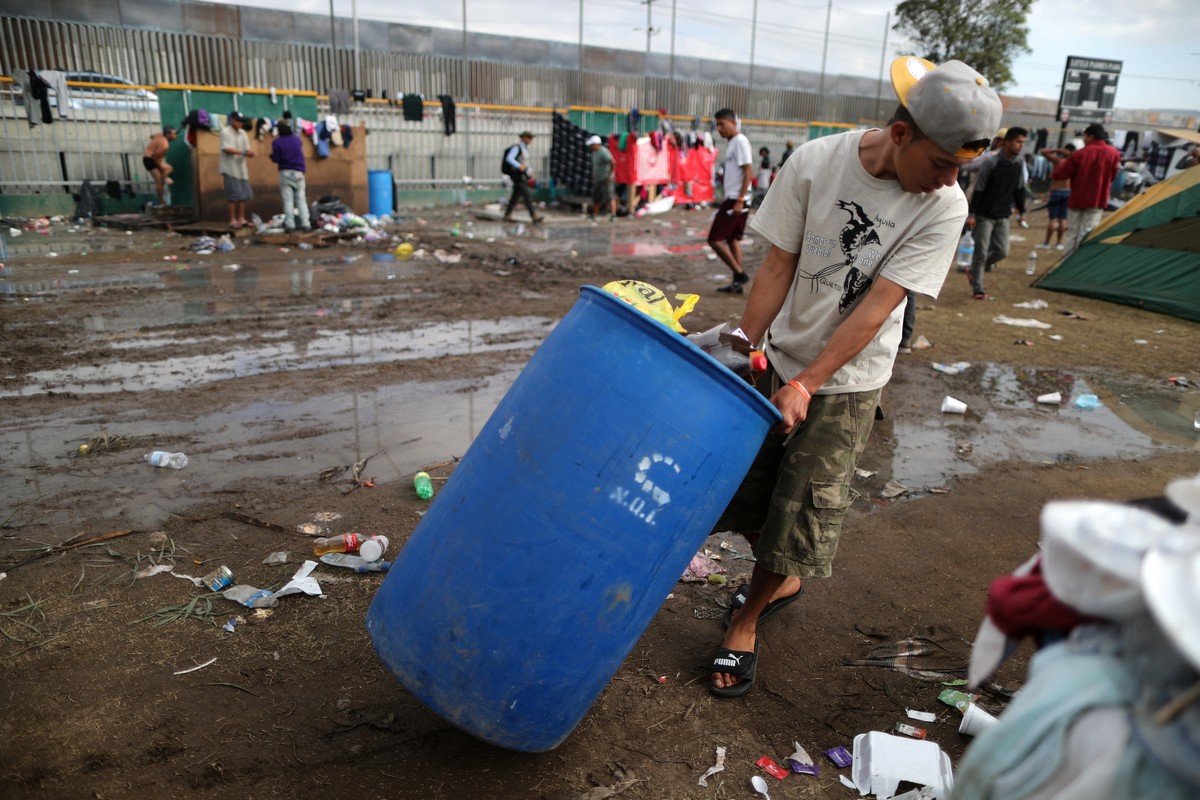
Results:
<point x="797" y="492"/>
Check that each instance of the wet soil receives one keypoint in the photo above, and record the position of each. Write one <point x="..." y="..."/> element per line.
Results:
<point x="286" y="375"/>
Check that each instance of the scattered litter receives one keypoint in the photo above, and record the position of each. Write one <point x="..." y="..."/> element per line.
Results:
<point x="960" y="700"/>
<point x="975" y="721"/>
<point x="759" y="786"/>
<point x="1179" y="381"/>
<point x="1032" y="305"/>
<point x="863" y="473"/>
<point x="311" y="529"/>
<point x="1025" y="342"/>
<point x="326" y="516"/>
<point x="446" y="258"/>
<point x="801" y="762"/>
<point x="1021" y="323"/>
<point x="940" y="655"/>
<point x="924" y="793"/>
<point x="1135" y="341"/>
<point x="921" y="716"/>
<point x="882" y="761"/>
<point x="146" y="572"/>
<point x="921" y="343"/>
<point x="356" y="563"/>
<point x="1079" y="315"/>
<point x="715" y="768"/>
<point x="849" y="784"/>
<point x="892" y="489"/>
<point x="232" y="623"/>
<point x="250" y="596"/>
<point x="700" y="568"/>
<point x="1056" y="337"/>
<point x="3" y="575"/>
<point x="218" y="579"/>
<point x="1086" y="401"/>
<point x="1051" y="399"/>
<point x="716" y="579"/>
<point x="840" y="756"/>
<point x="952" y="369"/>
<point x="911" y="730"/>
<point x="951" y="405"/>
<point x="768" y="765"/>
<point x="278" y="557"/>
<point x="231" y="267"/>
<point x="198" y="666"/>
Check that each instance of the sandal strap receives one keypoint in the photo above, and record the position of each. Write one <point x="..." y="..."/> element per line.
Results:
<point x="739" y="663"/>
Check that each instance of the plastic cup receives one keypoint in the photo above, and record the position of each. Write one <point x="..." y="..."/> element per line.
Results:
<point x="952" y="406"/>
<point x="1053" y="398"/>
<point x="975" y="721"/>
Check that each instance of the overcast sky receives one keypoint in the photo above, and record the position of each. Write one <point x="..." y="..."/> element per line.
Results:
<point x="1156" y="39"/>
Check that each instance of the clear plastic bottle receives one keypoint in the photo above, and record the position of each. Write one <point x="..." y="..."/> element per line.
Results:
<point x="966" y="250"/>
<point x="1031" y="264"/>
<point x="345" y="543"/>
<point x="161" y="458"/>
<point x="423" y="485"/>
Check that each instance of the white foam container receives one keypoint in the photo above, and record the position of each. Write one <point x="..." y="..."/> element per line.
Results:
<point x="882" y="761"/>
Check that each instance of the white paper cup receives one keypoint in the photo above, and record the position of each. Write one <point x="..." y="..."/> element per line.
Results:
<point x="952" y="406"/>
<point x="975" y="721"/>
<point x="1053" y="399"/>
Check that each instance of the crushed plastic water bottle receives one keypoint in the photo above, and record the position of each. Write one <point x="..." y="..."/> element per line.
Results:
<point x="161" y="458"/>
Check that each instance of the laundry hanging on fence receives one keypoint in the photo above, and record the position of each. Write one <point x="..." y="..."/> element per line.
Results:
<point x="570" y="159"/>
<point x="414" y="107"/>
<point x="448" y="112"/>
<point x="339" y="101"/>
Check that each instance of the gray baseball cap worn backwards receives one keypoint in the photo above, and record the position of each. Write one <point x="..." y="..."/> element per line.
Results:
<point x="952" y="103"/>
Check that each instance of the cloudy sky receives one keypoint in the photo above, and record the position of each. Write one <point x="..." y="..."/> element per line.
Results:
<point x="1156" y="39"/>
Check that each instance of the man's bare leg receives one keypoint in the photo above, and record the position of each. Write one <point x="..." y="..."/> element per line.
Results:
<point x="765" y="586"/>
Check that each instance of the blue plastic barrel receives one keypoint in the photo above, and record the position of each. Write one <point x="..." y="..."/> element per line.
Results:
<point x="379" y="185"/>
<point x="566" y="525"/>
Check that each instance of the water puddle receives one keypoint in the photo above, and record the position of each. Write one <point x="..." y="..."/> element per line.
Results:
<point x="1004" y="422"/>
<point x="400" y="427"/>
<point x="228" y="358"/>
<point x="645" y="237"/>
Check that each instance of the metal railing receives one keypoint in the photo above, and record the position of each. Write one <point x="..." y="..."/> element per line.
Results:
<point x="99" y="134"/>
<point x="107" y="126"/>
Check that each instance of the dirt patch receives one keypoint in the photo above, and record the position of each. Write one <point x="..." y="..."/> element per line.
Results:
<point x="122" y="350"/>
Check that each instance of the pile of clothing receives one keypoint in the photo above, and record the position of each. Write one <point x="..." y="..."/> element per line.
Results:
<point x="1111" y="707"/>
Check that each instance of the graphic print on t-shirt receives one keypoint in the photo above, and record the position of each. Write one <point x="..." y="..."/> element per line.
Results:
<point x="858" y="233"/>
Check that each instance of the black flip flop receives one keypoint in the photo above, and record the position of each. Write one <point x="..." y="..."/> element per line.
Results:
<point x="738" y="663"/>
<point x="772" y="608"/>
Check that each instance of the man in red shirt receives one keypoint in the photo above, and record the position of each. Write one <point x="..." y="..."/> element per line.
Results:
<point x="1091" y="171"/>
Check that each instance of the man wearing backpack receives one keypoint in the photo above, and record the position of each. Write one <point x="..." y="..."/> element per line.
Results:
<point x="516" y="166"/>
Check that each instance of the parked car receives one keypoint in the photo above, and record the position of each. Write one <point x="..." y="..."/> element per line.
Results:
<point x="111" y="95"/>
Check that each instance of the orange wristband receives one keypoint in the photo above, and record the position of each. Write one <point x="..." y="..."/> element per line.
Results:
<point x="799" y="387"/>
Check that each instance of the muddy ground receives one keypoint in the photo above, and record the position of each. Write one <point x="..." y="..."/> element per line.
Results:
<point x="277" y="371"/>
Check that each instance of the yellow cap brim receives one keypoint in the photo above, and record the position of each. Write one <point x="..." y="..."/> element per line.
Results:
<point x="906" y="71"/>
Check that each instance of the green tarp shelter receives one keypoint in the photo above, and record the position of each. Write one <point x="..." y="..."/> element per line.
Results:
<point x="1147" y="254"/>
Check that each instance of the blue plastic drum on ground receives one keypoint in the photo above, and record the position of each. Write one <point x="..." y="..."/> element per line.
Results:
<point x="380" y="191"/>
<point x="566" y="525"/>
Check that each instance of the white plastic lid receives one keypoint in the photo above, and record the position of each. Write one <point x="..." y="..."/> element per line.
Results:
<point x="373" y="549"/>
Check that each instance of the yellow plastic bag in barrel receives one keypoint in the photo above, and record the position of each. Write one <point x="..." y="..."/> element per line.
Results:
<point x="652" y="302"/>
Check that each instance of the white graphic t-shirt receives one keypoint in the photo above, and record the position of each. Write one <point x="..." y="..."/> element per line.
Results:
<point x="849" y="228"/>
<point x="737" y="154"/>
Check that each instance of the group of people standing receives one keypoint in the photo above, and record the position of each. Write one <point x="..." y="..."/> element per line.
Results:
<point x="287" y="151"/>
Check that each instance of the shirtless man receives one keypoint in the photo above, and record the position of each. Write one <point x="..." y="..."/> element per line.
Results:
<point x="1056" y="201"/>
<point x="154" y="159"/>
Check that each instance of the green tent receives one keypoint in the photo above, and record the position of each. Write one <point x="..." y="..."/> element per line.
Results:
<point x="1147" y="254"/>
